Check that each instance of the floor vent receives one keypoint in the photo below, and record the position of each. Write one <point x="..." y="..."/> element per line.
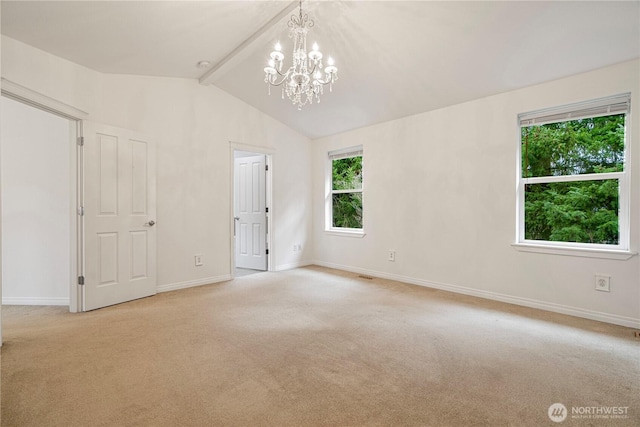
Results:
<point x="365" y="277"/>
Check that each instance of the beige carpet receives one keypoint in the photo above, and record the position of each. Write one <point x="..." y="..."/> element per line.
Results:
<point x="312" y="347"/>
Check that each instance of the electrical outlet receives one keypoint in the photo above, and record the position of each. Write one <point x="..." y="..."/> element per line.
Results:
<point x="392" y="256"/>
<point x="198" y="260"/>
<point x="299" y="247"/>
<point x="603" y="283"/>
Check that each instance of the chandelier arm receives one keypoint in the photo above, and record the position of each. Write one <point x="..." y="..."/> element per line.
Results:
<point x="323" y="82"/>
<point x="285" y="74"/>
<point x="281" y="81"/>
<point x="315" y="67"/>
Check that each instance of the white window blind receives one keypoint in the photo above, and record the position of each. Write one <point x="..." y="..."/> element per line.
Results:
<point x="345" y="153"/>
<point x="617" y="104"/>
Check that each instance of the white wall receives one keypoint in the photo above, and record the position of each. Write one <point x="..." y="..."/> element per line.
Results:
<point x="36" y="213"/>
<point x="1" y="339"/>
<point x="193" y="126"/>
<point x="440" y="190"/>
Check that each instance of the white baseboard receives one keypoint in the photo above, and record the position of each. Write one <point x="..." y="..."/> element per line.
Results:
<point x="192" y="283"/>
<point x="34" y="301"/>
<point x="292" y="265"/>
<point x="525" y="302"/>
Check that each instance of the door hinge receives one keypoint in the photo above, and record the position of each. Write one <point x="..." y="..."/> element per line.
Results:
<point x="81" y="141"/>
<point x="267" y="251"/>
<point x="81" y="211"/>
<point x="267" y="210"/>
<point x="80" y="280"/>
<point x="266" y="167"/>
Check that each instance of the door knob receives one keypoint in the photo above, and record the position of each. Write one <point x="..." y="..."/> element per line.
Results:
<point x="150" y="223"/>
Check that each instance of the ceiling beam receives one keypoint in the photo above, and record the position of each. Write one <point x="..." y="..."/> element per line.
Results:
<point x="246" y="48"/>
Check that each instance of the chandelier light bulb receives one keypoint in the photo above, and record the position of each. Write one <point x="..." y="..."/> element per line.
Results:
<point x="315" y="46"/>
<point x="330" y="61"/>
<point x="278" y="47"/>
<point x="272" y="63"/>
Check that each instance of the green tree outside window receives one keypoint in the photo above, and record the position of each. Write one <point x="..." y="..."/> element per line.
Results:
<point x="583" y="211"/>
<point x="347" y="192"/>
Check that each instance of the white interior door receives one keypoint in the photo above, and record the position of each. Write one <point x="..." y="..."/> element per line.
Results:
<point x="119" y="216"/>
<point x="250" y="212"/>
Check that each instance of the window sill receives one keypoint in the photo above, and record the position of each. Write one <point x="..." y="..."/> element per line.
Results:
<point x="345" y="232"/>
<point x="576" y="252"/>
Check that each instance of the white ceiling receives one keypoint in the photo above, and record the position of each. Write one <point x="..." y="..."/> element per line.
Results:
<point x="395" y="58"/>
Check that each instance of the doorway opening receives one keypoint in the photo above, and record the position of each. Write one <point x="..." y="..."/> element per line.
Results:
<point x="251" y="202"/>
<point x="39" y="195"/>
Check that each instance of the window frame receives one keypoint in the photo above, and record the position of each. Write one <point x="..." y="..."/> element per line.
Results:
<point x="344" y="153"/>
<point x="617" y="104"/>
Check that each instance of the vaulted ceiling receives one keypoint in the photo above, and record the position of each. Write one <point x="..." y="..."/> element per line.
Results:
<point x="395" y="58"/>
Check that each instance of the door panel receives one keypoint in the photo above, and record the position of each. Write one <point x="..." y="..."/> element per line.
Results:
<point x="119" y="204"/>
<point x="250" y="211"/>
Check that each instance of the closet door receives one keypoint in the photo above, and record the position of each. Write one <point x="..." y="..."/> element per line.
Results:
<point x="119" y="171"/>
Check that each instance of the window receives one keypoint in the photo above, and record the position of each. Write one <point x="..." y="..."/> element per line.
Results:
<point x="345" y="201"/>
<point x="573" y="177"/>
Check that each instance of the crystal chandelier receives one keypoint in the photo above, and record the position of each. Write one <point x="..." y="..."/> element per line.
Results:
<point x="304" y="80"/>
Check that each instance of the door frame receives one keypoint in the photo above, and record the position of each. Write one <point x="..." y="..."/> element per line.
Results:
<point x="268" y="152"/>
<point x="75" y="116"/>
